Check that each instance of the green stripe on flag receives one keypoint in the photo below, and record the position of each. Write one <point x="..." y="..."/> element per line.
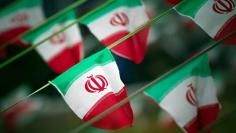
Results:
<point x="64" y="81"/>
<point x="113" y="6"/>
<point x="190" y="7"/>
<point x="30" y="37"/>
<point x="18" y="5"/>
<point x="197" y="67"/>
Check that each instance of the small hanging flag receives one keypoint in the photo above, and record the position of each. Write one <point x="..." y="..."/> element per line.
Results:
<point x="63" y="50"/>
<point x="188" y="95"/>
<point x="216" y="17"/>
<point x="18" y="18"/>
<point x="94" y="85"/>
<point x="118" y="19"/>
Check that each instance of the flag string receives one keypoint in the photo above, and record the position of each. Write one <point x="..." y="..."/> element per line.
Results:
<point x="139" y="91"/>
<point x="24" y="98"/>
<point x="148" y="23"/>
<point x="12" y="59"/>
<point x="51" y="18"/>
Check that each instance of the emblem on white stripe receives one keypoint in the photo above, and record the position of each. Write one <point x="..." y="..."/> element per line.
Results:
<point x="190" y="95"/>
<point x="96" y="83"/>
<point x="20" y="18"/>
<point x="59" y="38"/>
<point x="119" y="19"/>
<point x="223" y="6"/>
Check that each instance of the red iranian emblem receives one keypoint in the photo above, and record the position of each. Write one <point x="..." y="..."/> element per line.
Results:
<point x="119" y="19"/>
<point x="190" y="95"/>
<point x="96" y="83"/>
<point x="19" y="18"/>
<point x="223" y="6"/>
<point x="58" y="39"/>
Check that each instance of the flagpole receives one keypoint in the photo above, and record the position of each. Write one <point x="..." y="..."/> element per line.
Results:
<point x="72" y="6"/>
<point x="116" y="106"/>
<point x="24" y="98"/>
<point x="12" y="59"/>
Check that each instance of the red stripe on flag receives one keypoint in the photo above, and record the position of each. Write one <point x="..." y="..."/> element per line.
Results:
<point x="121" y="117"/>
<point x="134" y="48"/>
<point x="192" y="126"/>
<point x="227" y="28"/>
<point x="66" y="59"/>
<point x="12" y="34"/>
<point x="208" y="115"/>
<point x="173" y="2"/>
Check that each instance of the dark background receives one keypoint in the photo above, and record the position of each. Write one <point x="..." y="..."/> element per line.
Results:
<point x="175" y="39"/>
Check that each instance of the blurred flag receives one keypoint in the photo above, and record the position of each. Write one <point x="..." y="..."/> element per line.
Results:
<point x="173" y="2"/>
<point x="153" y="34"/>
<point x="21" y="113"/>
<point x="188" y="95"/>
<point x="117" y="20"/>
<point x="13" y="116"/>
<point x="216" y="17"/>
<point x="63" y="50"/>
<point x="18" y="18"/>
<point x="94" y="85"/>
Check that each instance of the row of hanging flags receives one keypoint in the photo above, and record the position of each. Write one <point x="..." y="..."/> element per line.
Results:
<point x="93" y="85"/>
<point x="66" y="49"/>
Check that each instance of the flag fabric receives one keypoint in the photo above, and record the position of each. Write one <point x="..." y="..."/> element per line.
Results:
<point x="216" y="17"/>
<point x="173" y="2"/>
<point x="18" y="18"/>
<point x="117" y="20"/>
<point x="188" y="95"/>
<point x="63" y="50"/>
<point x="91" y="87"/>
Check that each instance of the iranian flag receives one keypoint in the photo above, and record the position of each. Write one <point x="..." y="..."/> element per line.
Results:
<point x="91" y="87"/>
<point x="188" y="95"/>
<point x="63" y="50"/>
<point x="216" y="17"/>
<point x="18" y="18"/>
<point x="116" y="20"/>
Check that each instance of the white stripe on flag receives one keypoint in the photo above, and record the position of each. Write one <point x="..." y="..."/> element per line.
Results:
<point x="34" y="17"/>
<point x="176" y="102"/>
<point x="48" y="50"/>
<point x="206" y="93"/>
<point x="211" y="21"/>
<point x="136" y="15"/>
